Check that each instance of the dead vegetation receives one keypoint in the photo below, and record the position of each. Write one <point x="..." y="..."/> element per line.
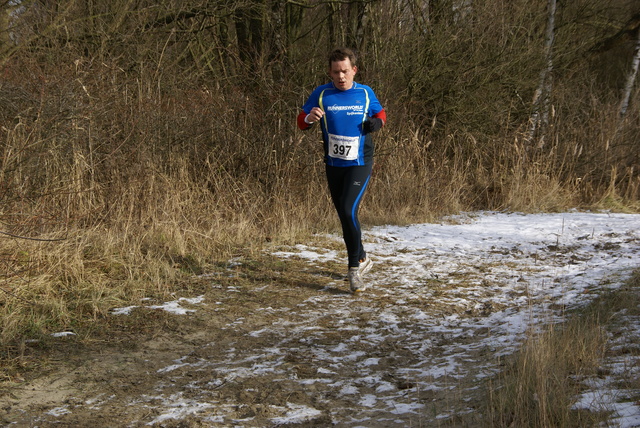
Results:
<point x="143" y="142"/>
<point x="541" y="383"/>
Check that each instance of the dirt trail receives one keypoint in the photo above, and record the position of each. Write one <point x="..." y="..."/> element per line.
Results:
<point x="284" y="353"/>
<point x="279" y="340"/>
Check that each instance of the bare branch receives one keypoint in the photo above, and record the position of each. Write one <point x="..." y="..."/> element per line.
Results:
<point x="32" y="239"/>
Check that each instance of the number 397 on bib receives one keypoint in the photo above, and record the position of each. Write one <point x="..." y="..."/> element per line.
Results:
<point x="342" y="147"/>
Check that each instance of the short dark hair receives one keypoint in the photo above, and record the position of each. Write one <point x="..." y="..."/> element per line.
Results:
<point x="340" y="54"/>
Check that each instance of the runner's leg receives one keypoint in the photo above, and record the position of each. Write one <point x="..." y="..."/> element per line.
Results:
<point x="347" y="186"/>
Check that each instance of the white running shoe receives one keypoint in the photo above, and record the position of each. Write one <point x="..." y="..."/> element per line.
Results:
<point x="355" y="281"/>
<point x="365" y="265"/>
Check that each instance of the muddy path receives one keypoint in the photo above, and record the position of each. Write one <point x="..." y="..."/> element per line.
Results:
<point x="298" y="353"/>
<point x="277" y="340"/>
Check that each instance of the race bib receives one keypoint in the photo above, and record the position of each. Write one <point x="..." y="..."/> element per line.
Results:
<point x="342" y="147"/>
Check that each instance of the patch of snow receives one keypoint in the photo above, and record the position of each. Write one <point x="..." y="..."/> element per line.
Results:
<point x="297" y="414"/>
<point x="59" y="411"/>
<point x="452" y="298"/>
<point x="63" y="334"/>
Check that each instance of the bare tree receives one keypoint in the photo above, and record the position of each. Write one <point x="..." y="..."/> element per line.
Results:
<point x="6" y="9"/>
<point x="357" y="24"/>
<point x="539" y="120"/>
<point x="631" y="77"/>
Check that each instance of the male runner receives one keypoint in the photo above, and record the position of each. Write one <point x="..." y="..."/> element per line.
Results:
<point x="348" y="113"/>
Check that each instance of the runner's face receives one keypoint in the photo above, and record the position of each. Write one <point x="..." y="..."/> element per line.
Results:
<point x="342" y="73"/>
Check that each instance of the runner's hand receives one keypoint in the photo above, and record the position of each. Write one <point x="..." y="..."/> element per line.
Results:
<point x="315" y="115"/>
<point x="372" y="125"/>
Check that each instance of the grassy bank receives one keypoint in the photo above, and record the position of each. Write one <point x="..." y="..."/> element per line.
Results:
<point x="543" y="380"/>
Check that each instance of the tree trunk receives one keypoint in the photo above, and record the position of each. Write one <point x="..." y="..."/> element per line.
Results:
<point x="358" y="21"/>
<point x="5" y="27"/>
<point x="334" y="24"/>
<point x="243" y="35"/>
<point x="542" y="98"/>
<point x="631" y="78"/>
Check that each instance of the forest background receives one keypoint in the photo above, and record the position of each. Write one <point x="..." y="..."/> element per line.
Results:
<point x="146" y="140"/>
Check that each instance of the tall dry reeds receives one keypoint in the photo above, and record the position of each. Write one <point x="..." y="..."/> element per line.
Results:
<point x="139" y="149"/>
<point x="540" y="384"/>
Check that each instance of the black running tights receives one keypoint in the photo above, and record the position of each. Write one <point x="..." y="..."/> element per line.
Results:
<point x="347" y="186"/>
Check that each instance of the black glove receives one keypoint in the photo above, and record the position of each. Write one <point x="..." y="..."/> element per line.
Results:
<point x="372" y="125"/>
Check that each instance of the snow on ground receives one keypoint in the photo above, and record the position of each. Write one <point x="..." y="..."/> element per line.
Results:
<point x="442" y="296"/>
<point x="515" y="268"/>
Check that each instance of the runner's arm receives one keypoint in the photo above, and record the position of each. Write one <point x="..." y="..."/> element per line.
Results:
<point x="381" y="115"/>
<point x="302" y="123"/>
<point x="376" y="122"/>
<point x="305" y="121"/>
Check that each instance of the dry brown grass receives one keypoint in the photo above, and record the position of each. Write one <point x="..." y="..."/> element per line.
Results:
<point x="539" y="384"/>
<point x="134" y="164"/>
<point x="128" y="192"/>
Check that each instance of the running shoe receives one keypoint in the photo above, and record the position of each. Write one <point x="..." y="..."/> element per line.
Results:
<point x="365" y="265"/>
<point x="355" y="281"/>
